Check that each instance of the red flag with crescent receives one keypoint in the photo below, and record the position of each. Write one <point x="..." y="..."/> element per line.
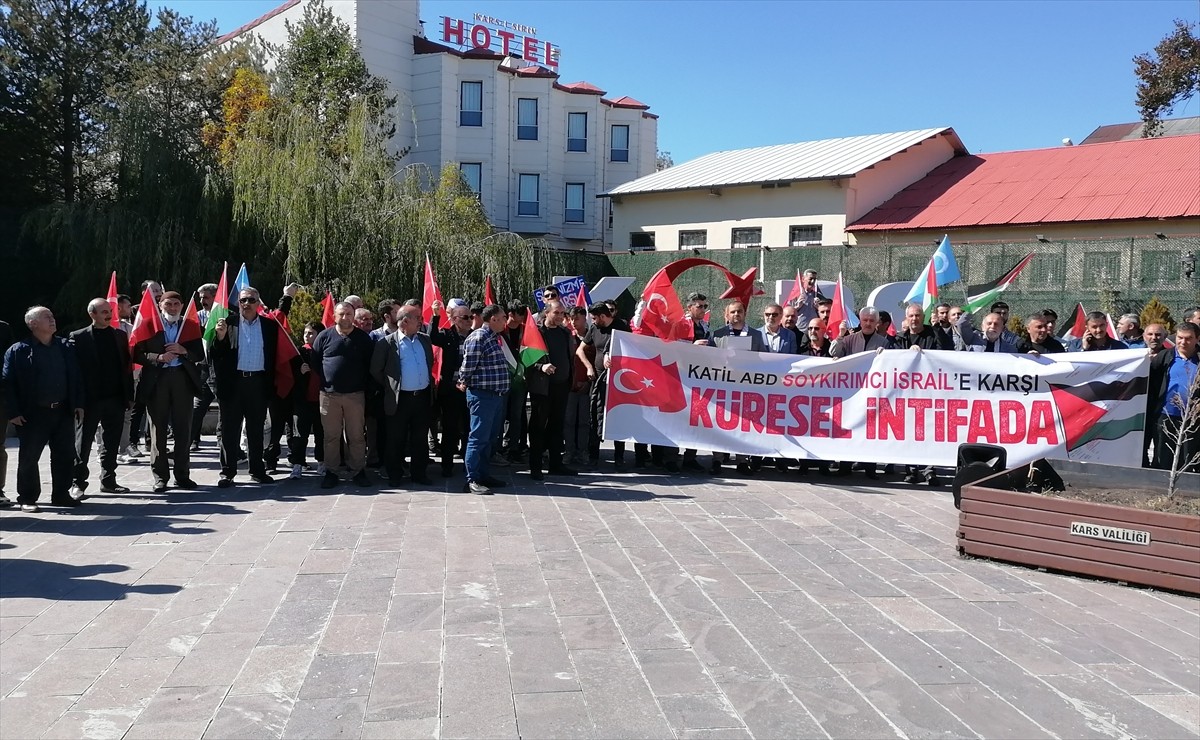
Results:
<point x="633" y="380"/>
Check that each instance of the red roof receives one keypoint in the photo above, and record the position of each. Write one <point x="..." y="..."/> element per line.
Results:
<point x="625" y="102"/>
<point x="1112" y="181"/>
<point x="261" y="19"/>
<point x="583" y="88"/>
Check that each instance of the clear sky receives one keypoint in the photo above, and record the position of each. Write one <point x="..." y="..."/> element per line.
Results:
<point x="1019" y="74"/>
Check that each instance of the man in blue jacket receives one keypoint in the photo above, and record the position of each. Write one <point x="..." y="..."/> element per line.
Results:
<point x="43" y="392"/>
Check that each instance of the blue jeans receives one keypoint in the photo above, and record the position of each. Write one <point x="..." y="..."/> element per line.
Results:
<point x="487" y="419"/>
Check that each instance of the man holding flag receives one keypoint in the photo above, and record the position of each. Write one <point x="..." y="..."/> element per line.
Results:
<point x="243" y="354"/>
<point x="168" y="348"/>
<point x="547" y="358"/>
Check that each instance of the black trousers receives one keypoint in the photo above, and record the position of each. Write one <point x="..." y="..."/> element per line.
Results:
<point x="280" y="410"/>
<point x="109" y="415"/>
<point x="44" y="427"/>
<point x="202" y="403"/>
<point x="306" y="419"/>
<point x="170" y="405"/>
<point x="455" y="418"/>
<point x="516" y="429"/>
<point x="1165" y="442"/>
<point x="137" y="422"/>
<point x="247" y="404"/>
<point x="599" y="397"/>
<point x="547" y="417"/>
<point x="407" y="432"/>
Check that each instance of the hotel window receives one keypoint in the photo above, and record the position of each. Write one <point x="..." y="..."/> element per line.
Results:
<point x="470" y="104"/>
<point x="800" y="236"/>
<point x="473" y="173"/>
<point x="574" y="214"/>
<point x="576" y="132"/>
<point x="746" y="238"/>
<point x="697" y="238"/>
<point x="527" y="194"/>
<point x="619" y="152"/>
<point x="527" y="119"/>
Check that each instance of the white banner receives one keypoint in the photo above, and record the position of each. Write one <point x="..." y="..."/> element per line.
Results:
<point x="898" y="406"/>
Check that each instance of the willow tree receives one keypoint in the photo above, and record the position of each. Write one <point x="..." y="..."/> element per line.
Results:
<point x="346" y="219"/>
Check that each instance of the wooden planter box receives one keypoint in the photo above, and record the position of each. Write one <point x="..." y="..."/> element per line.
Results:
<point x="1150" y="548"/>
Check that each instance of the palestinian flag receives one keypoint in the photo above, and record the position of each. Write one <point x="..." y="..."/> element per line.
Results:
<point x="533" y="346"/>
<point x="1075" y="326"/>
<point x="1083" y="409"/>
<point x="220" y="308"/>
<point x="985" y="294"/>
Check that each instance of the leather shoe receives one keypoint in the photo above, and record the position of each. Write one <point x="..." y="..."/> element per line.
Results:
<point x="261" y="478"/>
<point x="185" y="483"/>
<point x="422" y="480"/>
<point x="160" y="489"/>
<point x="536" y="474"/>
<point x="225" y="483"/>
<point x="562" y="470"/>
<point x="113" y="488"/>
<point x="491" y="482"/>
<point x="361" y="480"/>
<point x="329" y="480"/>
<point x="66" y="501"/>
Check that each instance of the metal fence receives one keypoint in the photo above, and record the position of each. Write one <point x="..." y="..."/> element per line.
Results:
<point x="1115" y="275"/>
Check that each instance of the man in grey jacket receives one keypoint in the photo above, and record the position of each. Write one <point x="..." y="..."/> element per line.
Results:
<point x="993" y="338"/>
<point x="866" y="340"/>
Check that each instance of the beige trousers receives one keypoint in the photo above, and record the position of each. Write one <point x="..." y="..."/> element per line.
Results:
<point x="344" y="413"/>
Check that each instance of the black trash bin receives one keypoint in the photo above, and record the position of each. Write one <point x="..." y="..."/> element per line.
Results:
<point x="975" y="462"/>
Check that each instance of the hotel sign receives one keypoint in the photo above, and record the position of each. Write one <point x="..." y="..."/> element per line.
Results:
<point x="501" y="36"/>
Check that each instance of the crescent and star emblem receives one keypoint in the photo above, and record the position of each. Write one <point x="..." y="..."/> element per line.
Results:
<point x="617" y="382"/>
<point x="666" y="306"/>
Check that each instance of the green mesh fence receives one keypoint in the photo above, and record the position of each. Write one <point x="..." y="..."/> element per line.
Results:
<point x="1115" y="275"/>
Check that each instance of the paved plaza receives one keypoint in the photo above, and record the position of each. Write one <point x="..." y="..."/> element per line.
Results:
<point x="602" y="606"/>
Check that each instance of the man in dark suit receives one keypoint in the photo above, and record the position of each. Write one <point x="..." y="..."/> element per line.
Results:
<point x="44" y="393"/>
<point x="169" y="384"/>
<point x="549" y="383"/>
<point x="103" y="355"/>
<point x="402" y="363"/>
<point x="1171" y="393"/>
<point x="736" y="326"/>
<point x="243" y="363"/>
<point x="6" y="340"/>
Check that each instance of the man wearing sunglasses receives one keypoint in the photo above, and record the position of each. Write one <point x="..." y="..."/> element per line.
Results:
<point x="243" y="361"/>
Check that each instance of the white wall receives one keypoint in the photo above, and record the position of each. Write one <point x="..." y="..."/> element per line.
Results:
<point x="873" y="186"/>
<point x="774" y="210"/>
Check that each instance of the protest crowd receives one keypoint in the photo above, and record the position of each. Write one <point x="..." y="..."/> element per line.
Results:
<point x="393" y="392"/>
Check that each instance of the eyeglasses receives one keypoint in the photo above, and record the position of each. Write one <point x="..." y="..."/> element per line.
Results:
<point x="462" y="318"/>
<point x="770" y="313"/>
<point x="813" y="328"/>
<point x="248" y="299"/>
<point x="550" y="296"/>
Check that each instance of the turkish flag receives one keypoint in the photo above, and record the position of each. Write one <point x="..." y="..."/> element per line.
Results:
<point x="660" y="307"/>
<point x="641" y="382"/>
<point x="327" y="310"/>
<point x="147" y="321"/>
<point x="432" y="293"/>
<point x="115" y="321"/>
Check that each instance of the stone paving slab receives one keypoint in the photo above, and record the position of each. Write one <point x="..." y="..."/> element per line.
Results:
<point x="606" y="605"/>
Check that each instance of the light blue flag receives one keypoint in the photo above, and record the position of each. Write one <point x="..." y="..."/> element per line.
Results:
<point x="944" y="264"/>
<point x="243" y="281"/>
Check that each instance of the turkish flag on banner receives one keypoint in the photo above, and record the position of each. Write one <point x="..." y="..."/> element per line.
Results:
<point x="641" y="382"/>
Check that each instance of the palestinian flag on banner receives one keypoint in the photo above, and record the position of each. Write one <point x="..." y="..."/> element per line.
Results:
<point x="533" y="346"/>
<point x="1082" y="409"/>
<point x="985" y="294"/>
<point x="1075" y="325"/>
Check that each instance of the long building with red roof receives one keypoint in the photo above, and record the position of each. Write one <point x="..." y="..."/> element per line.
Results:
<point x="1135" y="187"/>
